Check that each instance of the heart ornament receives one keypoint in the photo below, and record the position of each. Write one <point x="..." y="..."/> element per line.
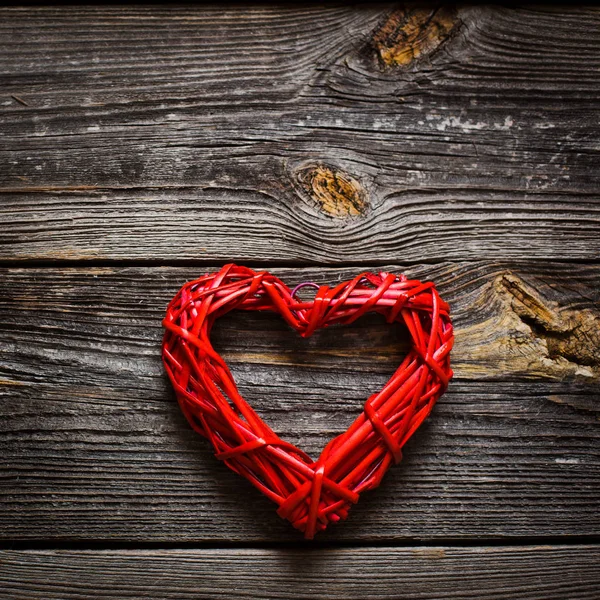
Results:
<point x="310" y="494"/>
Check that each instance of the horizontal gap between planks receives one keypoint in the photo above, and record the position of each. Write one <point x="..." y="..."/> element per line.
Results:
<point x="568" y="540"/>
<point x="253" y="264"/>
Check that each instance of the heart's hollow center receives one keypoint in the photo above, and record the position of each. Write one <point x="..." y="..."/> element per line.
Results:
<point x="323" y="381"/>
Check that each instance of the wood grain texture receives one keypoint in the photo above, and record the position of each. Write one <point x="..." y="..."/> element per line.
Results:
<point x="93" y="445"/>
<point x="527" y="573"/>
<point x="155" y="134"/>
<point x="459" y="142"/>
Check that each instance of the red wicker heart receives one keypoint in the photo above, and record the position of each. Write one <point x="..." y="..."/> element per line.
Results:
<point x="310" y="494"/>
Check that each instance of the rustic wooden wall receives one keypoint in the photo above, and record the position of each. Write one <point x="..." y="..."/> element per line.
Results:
<point x="142" y="146"/>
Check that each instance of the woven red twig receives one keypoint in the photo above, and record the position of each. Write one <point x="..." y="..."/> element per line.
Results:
<point x="310" y="494"/>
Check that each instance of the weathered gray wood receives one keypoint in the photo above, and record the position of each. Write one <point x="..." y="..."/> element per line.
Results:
<point x="93" y="445"/>
<point x="280" y="135"/>
<point x="321" y="135"/>
<point x="524" y="572"/>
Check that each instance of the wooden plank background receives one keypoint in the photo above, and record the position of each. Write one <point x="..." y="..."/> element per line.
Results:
<point x="144" y="146"/>
<point x="437" y="572"/>
<point x="161" y="135"/>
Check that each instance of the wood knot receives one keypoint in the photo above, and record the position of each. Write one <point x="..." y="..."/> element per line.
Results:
<point x="525" y="330"/>
<point x="336" y="193"/>
<point x="412" y="32"/>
